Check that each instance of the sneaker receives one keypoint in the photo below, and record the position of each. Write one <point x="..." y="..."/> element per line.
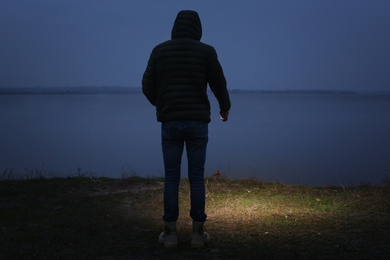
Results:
<point x="168" y="237"/>
<point x="199" y="236"/>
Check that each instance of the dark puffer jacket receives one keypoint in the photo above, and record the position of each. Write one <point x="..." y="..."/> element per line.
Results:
<point x="176" y="77"/>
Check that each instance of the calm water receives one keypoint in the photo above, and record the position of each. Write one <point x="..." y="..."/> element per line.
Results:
<point x="296" y="139"/>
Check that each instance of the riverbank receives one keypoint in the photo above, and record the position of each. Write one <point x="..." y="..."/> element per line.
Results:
<point x="102" y="218"/>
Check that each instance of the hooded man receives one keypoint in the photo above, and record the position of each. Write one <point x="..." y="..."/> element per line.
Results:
<point x="175" y="81"/>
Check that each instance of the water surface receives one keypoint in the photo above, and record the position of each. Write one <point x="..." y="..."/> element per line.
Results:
<point x="295" y="139"/>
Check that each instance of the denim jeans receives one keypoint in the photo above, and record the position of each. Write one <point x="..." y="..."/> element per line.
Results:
<point x="174" y="134"/>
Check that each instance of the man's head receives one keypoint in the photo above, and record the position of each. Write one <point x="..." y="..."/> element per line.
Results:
<point x="187" y="25"/>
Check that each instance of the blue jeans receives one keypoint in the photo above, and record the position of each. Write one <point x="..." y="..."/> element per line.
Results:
<point x="195" y="136"/>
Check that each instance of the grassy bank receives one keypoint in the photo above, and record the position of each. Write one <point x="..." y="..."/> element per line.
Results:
<point x="101" y="218"/>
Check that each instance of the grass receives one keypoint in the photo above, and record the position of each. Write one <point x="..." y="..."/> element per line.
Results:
<point x="102" y="218"/>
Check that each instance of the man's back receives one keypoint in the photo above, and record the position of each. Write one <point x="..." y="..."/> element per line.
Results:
<point x="176" y="78"/>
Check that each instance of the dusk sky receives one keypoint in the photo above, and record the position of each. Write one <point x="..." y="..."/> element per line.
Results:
<point x="277" y="45"/>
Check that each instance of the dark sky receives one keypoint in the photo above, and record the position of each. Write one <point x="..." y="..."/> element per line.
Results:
<point x="312" y="44"/>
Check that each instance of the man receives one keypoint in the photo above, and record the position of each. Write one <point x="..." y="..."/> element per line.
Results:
<point x="175" y="81"/>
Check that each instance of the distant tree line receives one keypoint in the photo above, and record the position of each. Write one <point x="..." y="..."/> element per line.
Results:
<point x="293" y="91"/>
<point x="138" y="90"/>
<point x="71" y="90"/>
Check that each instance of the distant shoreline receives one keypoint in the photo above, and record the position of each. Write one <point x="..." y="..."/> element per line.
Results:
<point x="70" y="90"/>
<point x="138" y="90"/>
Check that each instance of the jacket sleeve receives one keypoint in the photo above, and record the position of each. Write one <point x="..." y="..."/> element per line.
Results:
<point x="217" y="83"/>
<point x="149" y="83"/>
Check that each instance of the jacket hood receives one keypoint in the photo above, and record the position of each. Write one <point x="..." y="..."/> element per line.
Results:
<point x="187" y="25"/>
